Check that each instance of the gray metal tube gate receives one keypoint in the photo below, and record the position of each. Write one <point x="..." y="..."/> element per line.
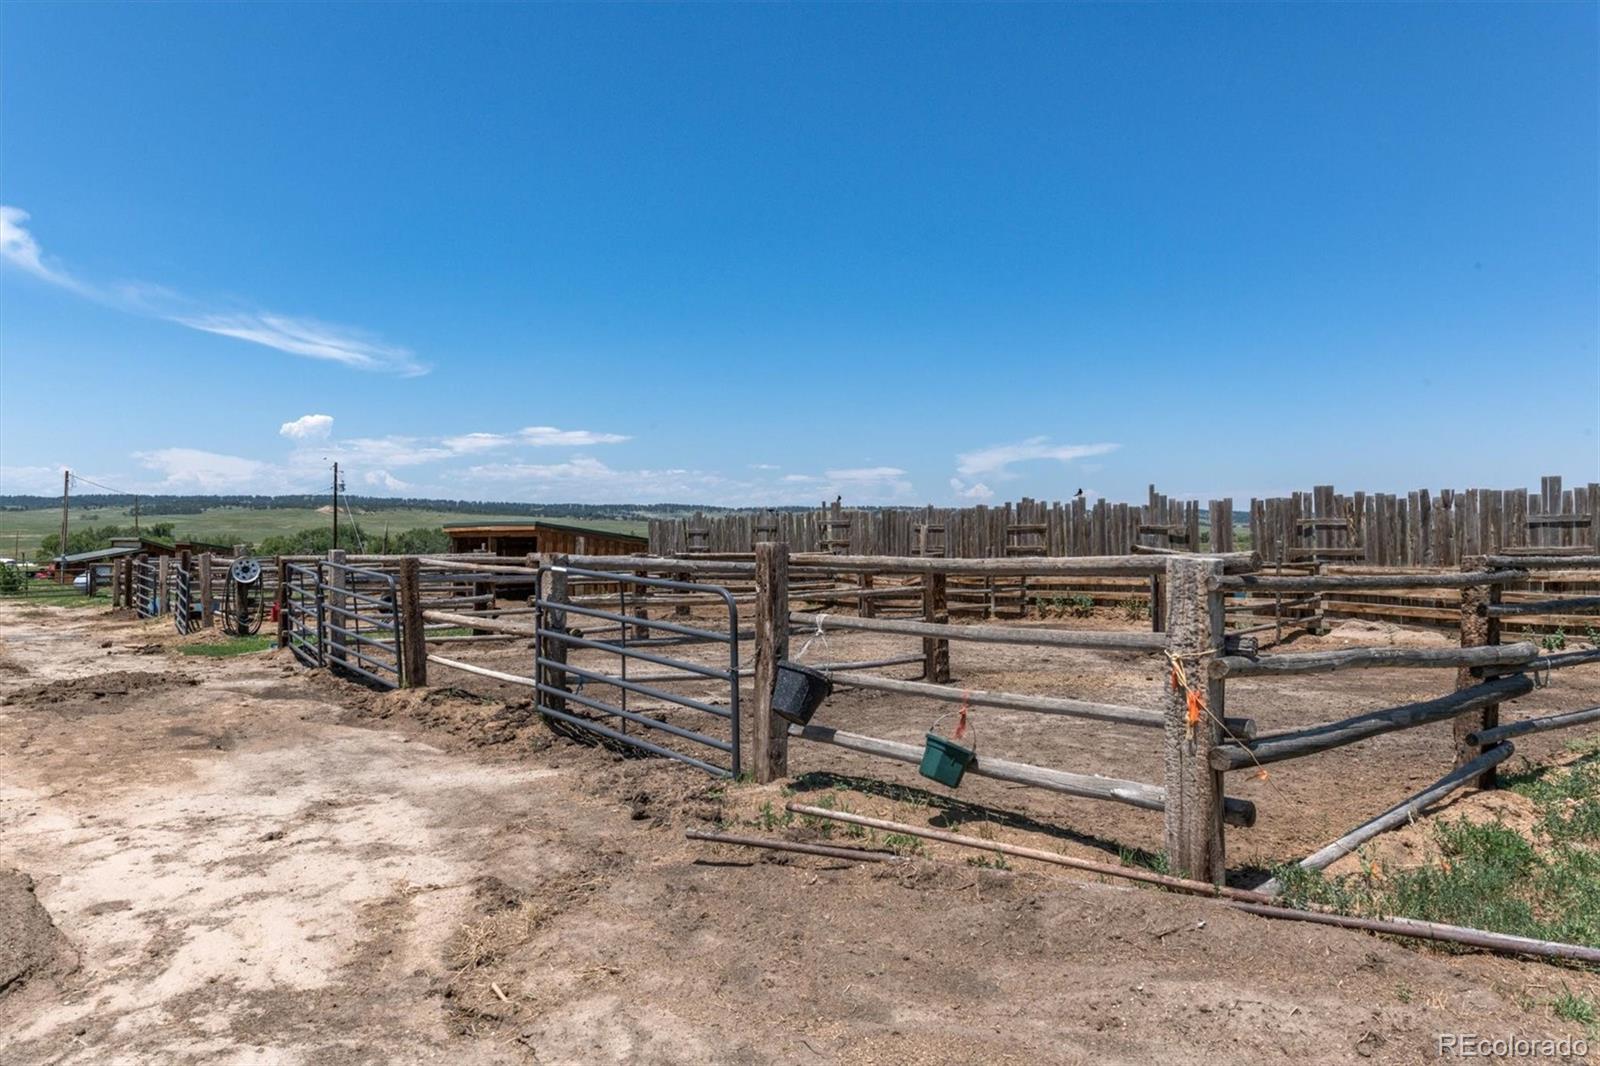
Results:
<point x="551" y="634"/>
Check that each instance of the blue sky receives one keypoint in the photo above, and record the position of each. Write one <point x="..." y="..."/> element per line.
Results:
<point x="767" y="254"/>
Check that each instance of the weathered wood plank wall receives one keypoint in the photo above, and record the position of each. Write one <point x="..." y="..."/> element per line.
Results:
<point x="1420" y="528"/>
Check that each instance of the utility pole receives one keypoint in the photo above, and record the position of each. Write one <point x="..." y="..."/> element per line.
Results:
<point x="336" y="504"/>
<point x="66" y="489"/>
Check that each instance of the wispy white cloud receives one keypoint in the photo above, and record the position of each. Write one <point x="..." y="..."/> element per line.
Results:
<point x="194" y="470"/>
<point x="294" y="335"/>
<point x="307" y="337"/>
<point x="470" y="443"/>
<point x="976" y="491"/>
<point x="30" y="480"/>
<point x="861" y="484"/>
<point x="384" y="480"/>
<point x="550" y="436"/>
<point x="996" y="460"/>
<point x="19" y="248"/>
<point x="307" y="427"/>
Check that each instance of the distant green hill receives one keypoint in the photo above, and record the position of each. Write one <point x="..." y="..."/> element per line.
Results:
<point x="21" y="530"/>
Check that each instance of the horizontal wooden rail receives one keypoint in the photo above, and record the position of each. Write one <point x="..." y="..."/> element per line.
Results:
<point x="1089" y="786"/>
<point x="1254" y="606"/>
<point x="1534" y="725"/>
<point x="490" y="625"/>
<point x="1098" y="565"/>
<point x="485" y="568"/>
<point x="1276" y="747"/>
<point x="1304" y="621"/>
<point x="1104" y="712"/>
<point x="1326" y="662"/>
<point x="1579" y="603"/>
<point x="983" y="634"/>
<point x="1334" y="582"/>
<point x="1544" y="562"/>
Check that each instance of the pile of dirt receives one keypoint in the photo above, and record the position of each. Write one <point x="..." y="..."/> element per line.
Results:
<point x="98" y="687"/>
<point x="1384" y="634"/>
<point x="30" y="944"/>
<point x="476" y="720"/>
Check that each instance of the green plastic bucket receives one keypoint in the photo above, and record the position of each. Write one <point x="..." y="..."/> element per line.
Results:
<point x="945" y="761"/>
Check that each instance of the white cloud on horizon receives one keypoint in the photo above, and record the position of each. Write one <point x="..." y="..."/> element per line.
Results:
<point x="307" y="427"/>
<point x="384" y="480"/>
<point x="292" y="335"/>
<point x="976" y="492"/>
<point x="550" y="436"/>
<point x="194" y="470"/>
<point x="996" y="460"/>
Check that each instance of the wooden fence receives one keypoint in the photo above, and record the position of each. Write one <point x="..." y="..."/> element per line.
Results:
<point x="1421" y="528"/>
<point x="774" y="593"/>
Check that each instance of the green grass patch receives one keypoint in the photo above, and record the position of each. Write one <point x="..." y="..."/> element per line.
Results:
<point x="1543" y="884"/>
<point x="231" y="646"/>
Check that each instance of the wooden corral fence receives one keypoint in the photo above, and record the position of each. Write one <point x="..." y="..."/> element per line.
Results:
<point x="586" y="620"/>
<point x="696" y="642"/>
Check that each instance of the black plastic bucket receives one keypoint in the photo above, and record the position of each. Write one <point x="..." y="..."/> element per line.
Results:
<point x="799" y="691"/>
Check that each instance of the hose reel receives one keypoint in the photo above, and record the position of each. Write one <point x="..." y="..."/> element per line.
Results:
<point x="243" y="605"/>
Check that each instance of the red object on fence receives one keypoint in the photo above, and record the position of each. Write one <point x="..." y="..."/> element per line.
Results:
<point x="273" y="612"/>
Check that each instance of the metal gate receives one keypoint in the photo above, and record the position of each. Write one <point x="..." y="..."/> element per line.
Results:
<point x="344" y="618"/>
<point x="559" y="682"/>
<point x="147" y="591"/>
<point x="180" y="598"/>
<point x="302" y="613"/>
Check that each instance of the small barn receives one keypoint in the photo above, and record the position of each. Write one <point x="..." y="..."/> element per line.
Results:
<point x="560" y="538"/>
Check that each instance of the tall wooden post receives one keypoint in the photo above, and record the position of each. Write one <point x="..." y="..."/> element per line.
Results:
<point x="413" y="640"/>
<point x="935" y="650"/>
<point x="772" y="644"/>
<point x="551" y="649"/>
<point x="864" y="604"/>
<point x="116" y="583"/>
<point x="164" y="584"/>
<point x="1194" y="790"/>
<point x="128" y="566"/>
<point x="1477" y="629"/>
<point x="205" y="590"/>
<point x="338" y="603"/>
<point x="641" y="610"/>
<point x="283" y="602"/>
<point x="683" y="609"/>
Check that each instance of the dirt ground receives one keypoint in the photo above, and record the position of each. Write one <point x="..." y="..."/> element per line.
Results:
<point x="238" y="860"/>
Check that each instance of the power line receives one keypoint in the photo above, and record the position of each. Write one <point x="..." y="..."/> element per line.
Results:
<point x="108" y="488"/>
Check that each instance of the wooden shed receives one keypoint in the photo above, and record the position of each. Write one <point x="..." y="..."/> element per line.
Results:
<point x="520" y="538"/>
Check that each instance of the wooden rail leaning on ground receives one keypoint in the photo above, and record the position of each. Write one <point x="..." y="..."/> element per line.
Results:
<point x="1400" y="813"/>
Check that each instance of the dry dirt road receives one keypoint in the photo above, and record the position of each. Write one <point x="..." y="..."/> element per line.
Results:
<point x="234" y="861"/>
